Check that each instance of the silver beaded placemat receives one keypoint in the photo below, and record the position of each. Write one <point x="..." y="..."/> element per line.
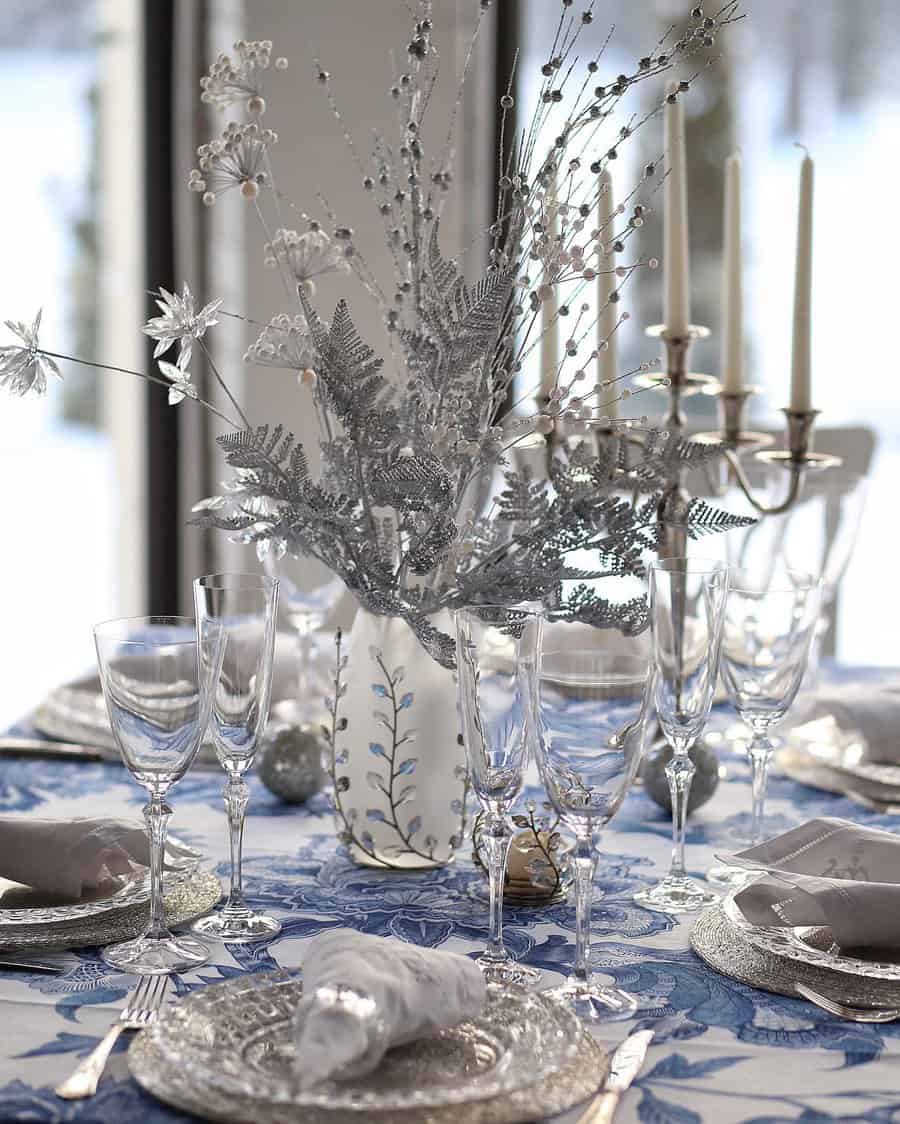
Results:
<point x="719" y="944"/>
<point x="186" y="900"/>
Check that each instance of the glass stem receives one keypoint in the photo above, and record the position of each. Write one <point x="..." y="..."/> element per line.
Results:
<point x="679" y="772"/>
<point x="156" y="816"/>
<point x="813" y="660"/>
<point x="583" y="860"/>
<point x="304" y="658"/>
<point x="760" y="753"/>
<point x="496" y="839"/>
<point x="236" y="794"/>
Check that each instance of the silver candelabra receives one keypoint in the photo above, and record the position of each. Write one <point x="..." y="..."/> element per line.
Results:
<point x="737" y="442"/>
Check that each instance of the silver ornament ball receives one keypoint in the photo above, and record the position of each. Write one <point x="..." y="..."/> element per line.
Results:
<point x="290" y="762"/>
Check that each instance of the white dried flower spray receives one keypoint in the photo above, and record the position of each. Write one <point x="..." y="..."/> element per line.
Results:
<point x="238" y="80"/>
<point x="235" y="160"/>
<point x="284" y="342"/>
<point x="305" y="256"/>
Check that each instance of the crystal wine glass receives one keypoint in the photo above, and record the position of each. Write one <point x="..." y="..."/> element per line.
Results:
<point x="591" y="725"/>
<point x="687" y="611"/>
<point x="307" y="594"/>
<point x="765" y="645"/>
<point x="816" y="536"/>
<point x="497" y="650"/>
<point x="244" y="605"/>
<point x="158" y="675"/>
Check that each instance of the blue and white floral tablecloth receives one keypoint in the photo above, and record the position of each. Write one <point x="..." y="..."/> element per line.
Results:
<point x="729" y="1053"/>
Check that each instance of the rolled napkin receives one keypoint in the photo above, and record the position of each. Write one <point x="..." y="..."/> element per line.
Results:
<point x="67" y="857"/>
<point x="363" y="995"/>
<point x="872" y="709"/>
<point x="827" y="872"/>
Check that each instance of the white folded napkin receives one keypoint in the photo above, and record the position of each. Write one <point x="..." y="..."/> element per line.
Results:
<point x="827" y="872"/>
<point x="68" y="857"/>
<point x="362" y="995"/>
<point x="873" y="709"/>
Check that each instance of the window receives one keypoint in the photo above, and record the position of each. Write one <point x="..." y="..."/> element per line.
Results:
<point x="67" y="82"/>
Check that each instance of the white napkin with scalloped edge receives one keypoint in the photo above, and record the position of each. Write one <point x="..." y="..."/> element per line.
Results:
<point x="827" y="872"/>
<point x="363" y="995"/>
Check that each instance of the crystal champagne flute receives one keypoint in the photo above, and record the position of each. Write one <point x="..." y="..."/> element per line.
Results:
<point x="158" y="676"/>
<point x="244" y="606"/>
<point x="687" y="611"/>
<point x="591" y="726"/>
<point x="765" y="647"/>
<point x="496" y="651"/>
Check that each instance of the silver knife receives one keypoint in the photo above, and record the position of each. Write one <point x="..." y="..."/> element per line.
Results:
<point x="19" y="965"/>
<point x="624" y="1066"/>
<point x="38" y="747"/>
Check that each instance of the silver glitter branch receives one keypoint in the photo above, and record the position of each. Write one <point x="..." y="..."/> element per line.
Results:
<point x="396" y="509"/>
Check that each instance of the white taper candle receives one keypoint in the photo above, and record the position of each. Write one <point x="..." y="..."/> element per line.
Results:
<point x="676" y="285"/>
<point x="608" y="360"/>
<point x="801" y="393"/>
<point x="549" y="317"/>
<point x="732" y="356"/>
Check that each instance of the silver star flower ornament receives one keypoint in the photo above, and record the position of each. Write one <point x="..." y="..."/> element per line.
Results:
<point x="179" y="322"/>
<point x="25" y="368"/>
<point x="181" y="387"/>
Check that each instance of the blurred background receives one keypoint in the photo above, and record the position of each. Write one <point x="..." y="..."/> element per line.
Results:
<point x="101" y="120"/>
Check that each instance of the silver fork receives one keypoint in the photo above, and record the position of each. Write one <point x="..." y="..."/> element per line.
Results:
<point x="844" y="1011"/>
<point x="140" y="1010"/>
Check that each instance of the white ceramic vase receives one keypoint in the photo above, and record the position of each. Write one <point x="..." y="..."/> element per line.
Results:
<point x="397" y="761"/>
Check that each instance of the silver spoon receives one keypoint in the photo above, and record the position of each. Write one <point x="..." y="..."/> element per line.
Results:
<point x="844" y="1011"/>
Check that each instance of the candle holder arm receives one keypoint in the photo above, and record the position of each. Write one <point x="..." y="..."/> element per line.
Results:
<point x="797" y="471"/>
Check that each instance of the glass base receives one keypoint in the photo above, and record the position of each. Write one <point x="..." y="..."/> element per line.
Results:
<point x="508" y="971"/>
<point x="156" y="956"/>
<point x="677" y="895"/>
<point x="729" y="877"/>
<point x="593" y="1003"/>
<point x="238" y="928"/>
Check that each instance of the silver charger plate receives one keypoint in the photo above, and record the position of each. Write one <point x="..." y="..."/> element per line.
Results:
<point x="188" y="896"/>
<point x="226" y="1053"/>
<point x="813" y="944"/>
<point x="726" y="949"/>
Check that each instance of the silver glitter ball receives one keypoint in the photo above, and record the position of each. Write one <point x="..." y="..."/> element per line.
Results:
<point x="704" y="784"/>
<point x="290" y="762"/>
